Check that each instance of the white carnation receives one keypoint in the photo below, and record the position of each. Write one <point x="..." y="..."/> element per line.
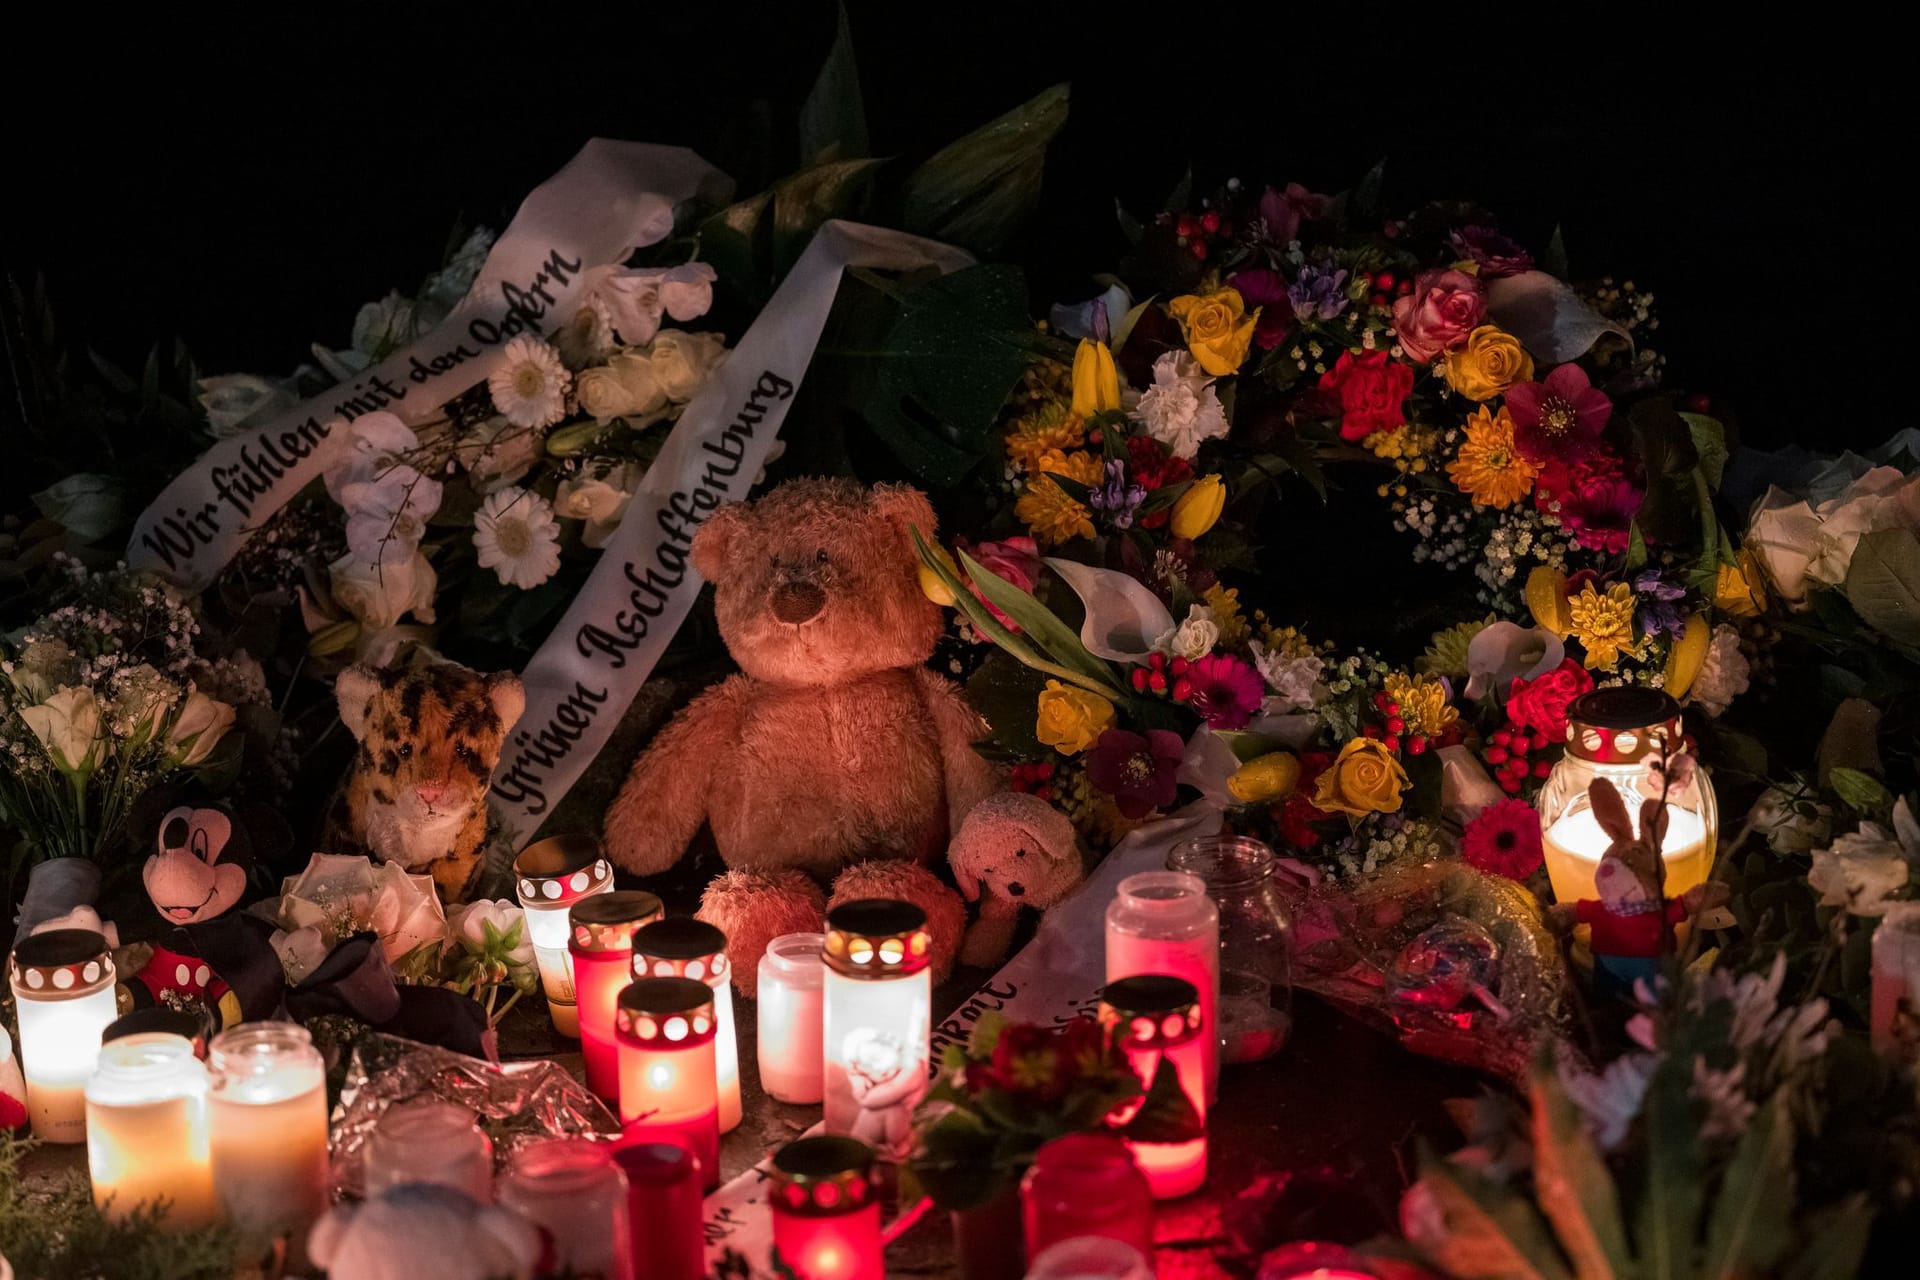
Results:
<point x="1180" y="409"/>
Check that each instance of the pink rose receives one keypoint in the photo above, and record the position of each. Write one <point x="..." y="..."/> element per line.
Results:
<point x="1444" y="307"/>
<point x="1015" y="559"/>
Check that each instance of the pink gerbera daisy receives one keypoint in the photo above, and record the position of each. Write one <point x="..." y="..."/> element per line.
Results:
<point x="1560" y="418"/>
<point x="1226" y="690"/>
<point x="1600" y="513"/>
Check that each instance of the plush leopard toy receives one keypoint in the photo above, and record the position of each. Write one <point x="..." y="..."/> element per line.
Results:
<point x="429" y="738"/>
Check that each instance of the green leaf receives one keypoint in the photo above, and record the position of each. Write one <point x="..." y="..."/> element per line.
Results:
<point x="975" y="191"/>
<point x="1166" y="1114"/>
<point x="1836" y="1241"/>
<point x="1366" y="196"/>
<point x="1636" y="547"/>
<point x="1752" y="1222"/>
<point x="1710" y="443"/>
<point x="1883" y="583"/>
<point x="1863" y="792"/>
<point x="735" y="242"/>
<point x="1490" y="1233"/>
<point x="1040" y="623"/>
<point x="1670" y="1201"/>
<point x="991" y="627"/>
<point x="986" y="1034"/>
<point x="1573" y="1186"/>
<point x="833" y="120"/>
<point x="1554" y="260"/>
<point x="801" y="202"/>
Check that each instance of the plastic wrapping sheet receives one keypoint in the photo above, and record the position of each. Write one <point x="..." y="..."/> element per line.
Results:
<point x="515" y="1102"/>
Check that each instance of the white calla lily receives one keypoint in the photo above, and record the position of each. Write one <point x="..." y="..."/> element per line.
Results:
<point x="1124" y="618"/>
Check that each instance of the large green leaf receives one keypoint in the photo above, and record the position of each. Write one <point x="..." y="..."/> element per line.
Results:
<point x="1039" y="622"/>
<point x="1752" y="1222"/>
<point x="1835" y="1241"/>
<point x="1670" y="1201"/>
<point x="803" y="201"/>
<point x="1883" y="583"/>
<point x="1490" y="1233"/>
<point x="975" y="191"/>
<point x="956" y="350"/>
<point x="833" y="120"/>
<point x="1573" y="1186"/>
<point x="1710" y="443"/>
<point x="734" y="242"/>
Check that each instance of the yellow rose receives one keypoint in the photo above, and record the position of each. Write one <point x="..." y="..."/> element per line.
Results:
<point x="1739" y="591"/>
<point x="1364" y="778"/>
<point x="1265" y="779"/>
<point x="1219" y="330"/>
<point x="1196" y="510"/>
<point x="1096" y="383"/>
<point x="1492" y="361"/>
<point x="932" y="585"/>
<point x="1071" y="720"/>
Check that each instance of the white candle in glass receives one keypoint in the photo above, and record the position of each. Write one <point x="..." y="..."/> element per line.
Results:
<point x="269" y="1112"/>
<point x="877" y="1016"/>
<point x="63" y="993"/>
<point x="550" y="876"/>
<point x="789" y="1040"/>
<point x="686" y="948"/>
<point x="430" y="1140"/>
<point x="147" y="1133"/>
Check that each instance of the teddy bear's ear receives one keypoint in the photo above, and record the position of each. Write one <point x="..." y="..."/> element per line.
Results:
<point x="508" y="696"/>
<point x="717" y="540"/>
<point x="354" y="690"/>
<point x="906" y="508"/>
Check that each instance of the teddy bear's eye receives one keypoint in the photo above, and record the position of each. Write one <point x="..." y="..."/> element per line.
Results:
<point x="406" y="750"/>
<point x="821" y="555"/>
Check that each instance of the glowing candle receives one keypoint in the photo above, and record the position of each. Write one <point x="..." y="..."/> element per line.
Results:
<point x="1315" y="1260"/>
<point x="430" y="1141"/>
<point x="877" y="1014"/>
<point x="688" y="948"/>
<point x="601" y="950"/>
<point x="269" y="1113"/>
<point x="550" y="876"/>
<point x="791" y="978"/>
<point x="1163" y="922"/>
<point x="192" y="1023"/>
<point x="664" y="1211"/>
<point x="147" y="1131"/>
<point x="13" y="1087"/>
<point x="666" y="1029"/>
<point x="1092" y="1258"/>
<point x="63" y="992"/>
<point x="571" y="1189"/>
<point x="826" y="1210"/>
<point x="1086" y="1184"/>
<point x="1155" y="1018"/>
<point x="1619" y="734"/>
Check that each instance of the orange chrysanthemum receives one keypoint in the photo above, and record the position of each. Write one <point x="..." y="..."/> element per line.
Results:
<point x="1489" y="469"/>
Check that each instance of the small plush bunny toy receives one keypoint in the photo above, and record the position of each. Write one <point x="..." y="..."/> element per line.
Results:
<point x="1012" y="850"/>
<point x="1629" y="917"/>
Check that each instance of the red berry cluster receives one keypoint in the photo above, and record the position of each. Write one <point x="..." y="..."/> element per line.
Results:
<point x="1033" y="779"/>
<point x="1392" y="731"/>
<point x="1387" y="287"/>
<point x="1165" y="677"/>
<point x="1194" y="230"/>
<point x="1507" y="754"/>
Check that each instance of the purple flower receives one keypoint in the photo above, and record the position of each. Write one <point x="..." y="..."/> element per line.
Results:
<point x="1659" y="612"/>
<point x="1560" y="418"/>
<point x="1493" y="250"/>
<point x="1118" y="498"/>
<point x="1319" y="293"/>
<point x="1137" y="770"/>
<point x="1284" y="211"/>
<point x="1266" y="289"/>
<point x="1226" y="690"/>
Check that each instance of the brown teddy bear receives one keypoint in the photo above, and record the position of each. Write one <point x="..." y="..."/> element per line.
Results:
<point x="835" y="750"/>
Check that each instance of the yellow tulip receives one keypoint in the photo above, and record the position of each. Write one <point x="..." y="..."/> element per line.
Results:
<point x="1687" y="654"/>
<point x="1096" y="382"/>
<point x="1739" y="590"/>
<point x="1265" y="779"/>
<point x="1197" y="510"/>
<point x="932" y="585"/>
<point x="1547" y="599"/>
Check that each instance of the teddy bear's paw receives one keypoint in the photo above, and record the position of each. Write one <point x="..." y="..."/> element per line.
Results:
<point x="910" y="882"/>
<point x="753" y="908"/>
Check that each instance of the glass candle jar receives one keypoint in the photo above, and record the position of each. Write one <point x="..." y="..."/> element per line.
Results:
<point x="1315" y="1260"/>
<point x="573" y="1192"/>
<point x="63" y="994"/>
<point x="876" y="1020"/>
<point x="550" y="876"/>
<point x="666" y="1029"/>
<point x="194" y="1023"/>
<point x="826" y="1210"/>
<point x="792" y="978"/>
<point x="665" y="1211"/>
<point x="1894" y="1012"/>
<point x="1620" y="734"/>
<point x="1086" y="1184"/>
<point x="147" y="1134"/>
<point x="430" y="1141"/>
<point x="1092" y="1258"/>
<point x="13" y="1086"/>
<point x="600" y="948"/>
<point x="1163" y="922"/>
<point x="1157" y="1018"/>
<point x="269" y="1119"/>
<point x="687" y="948"/>
<point x="1256" y="942"/>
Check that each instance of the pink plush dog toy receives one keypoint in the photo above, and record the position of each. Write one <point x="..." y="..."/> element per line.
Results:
<point x="1012" y="850"/>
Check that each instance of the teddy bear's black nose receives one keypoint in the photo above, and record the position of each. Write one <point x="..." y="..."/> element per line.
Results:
<point x="1016" y="889"/>
<point x="798" y="602"/>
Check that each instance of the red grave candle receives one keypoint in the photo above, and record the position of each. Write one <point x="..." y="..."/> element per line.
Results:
<point x="1086" y="1184"/>
<point x="665" y="1029"/>
<point x="664" y="1211"/>
<point x="600" y="944"/>
<point x="688" y="948"/>
<point x="1156" y="1018"/>
<point x="826" y="1210"/>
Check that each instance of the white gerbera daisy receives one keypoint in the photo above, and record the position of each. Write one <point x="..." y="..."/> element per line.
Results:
<point x="517" y="537"/>
<point x="530" y="386"/>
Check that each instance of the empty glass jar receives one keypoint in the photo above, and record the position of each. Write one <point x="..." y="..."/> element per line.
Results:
<point x="1256" y="942"/>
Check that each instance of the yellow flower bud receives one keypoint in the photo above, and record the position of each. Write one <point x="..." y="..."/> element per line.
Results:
<point x="336" y="638"/>
<point x="932" y="585"/>
<point x="1096" y="382"/>
<point x="1265" y="779"/>
<point x="1739" y="591"/>
<point x="1196" y="510"/>
<point x="1547" y="599"/>
<point x="568" y="441"/>
<point x="1684" y="659"/>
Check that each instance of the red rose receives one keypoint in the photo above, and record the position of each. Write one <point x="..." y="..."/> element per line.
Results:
<point x="1444" y="307"/>
<point x="1297" y="816"/>
<point x="1541" y="703"/>
<point x="1373" y="391"/>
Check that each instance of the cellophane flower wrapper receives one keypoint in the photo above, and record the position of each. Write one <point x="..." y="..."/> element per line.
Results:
<point x="515" y="1102"/>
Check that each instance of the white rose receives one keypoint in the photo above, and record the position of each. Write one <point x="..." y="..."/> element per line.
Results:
<point x="235" y="401"/>
<point x="498" y="453"/>
<point x="198" y="728"/>
<point x="341" y="894"/>
<point x="379" y="595"/>
<point x="1781" y="533"/>
<point x="301" y="951"/>
<point x="467" y="927"/>
<point x="383" y="327"/>
<point x="683" y="361"/>
<point x="1791" y="823"/>
<point x="70" y="727"/>
<point x="1194" y="638"/>
<point x="625" y="387"/>
<point x="85" y="505"/>
<point x="1859" y="871"/>
<point x="600" y="501"/>
<point x="406" y="911"/>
